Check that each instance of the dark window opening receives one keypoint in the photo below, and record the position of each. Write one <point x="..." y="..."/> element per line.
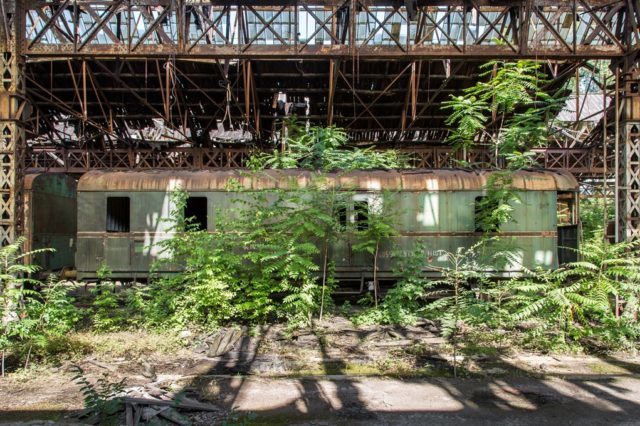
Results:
<point x="195" y="211"/>
<point x="483" y="215"/>
<point x="361" y="215"/>
<point x="342" y="218"/>
<point x="118" y="218"/>
<point x="566" y="209"/>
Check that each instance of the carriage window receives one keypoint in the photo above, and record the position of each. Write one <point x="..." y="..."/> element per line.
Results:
<point x="361" y="215"/>
<point x="118" y="214"/>
<point x="341" y="215"/>
<point x="196" y="210"/>
<point x="482" y="215"/>
<point x="566" y="209"/>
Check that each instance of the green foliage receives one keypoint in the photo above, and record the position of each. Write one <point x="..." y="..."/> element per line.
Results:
<point x="469" y="116"/>
<point x="114" y="308"/>
<point x="496" y="207"/>
<point x="264" y="260"/>
<point x="31" y="318"/>
<point x="456" y="303"/>
<point x="594" y="302"/>
<point x="54" y="308"/>
<point x="592" y="216"/>
<point x="596" y="297"/>
<point x="403" y="302"/>
<point x="323" y="148"/>
<point x="14" y="277"/>
<point x="101" y="399"/>
<point x="107" y="315"/>
<point x="510" y="110"/>
<point x="202" y="292"/>
<point x="43" y="317"/>
<point x="380" y="226"/>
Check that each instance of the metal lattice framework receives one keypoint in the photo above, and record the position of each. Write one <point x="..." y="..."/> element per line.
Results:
<point x="331" y="28"/>
<point x="130" y="84"/>
<point x="13" y="109"/>
<point x="628" y="171"/>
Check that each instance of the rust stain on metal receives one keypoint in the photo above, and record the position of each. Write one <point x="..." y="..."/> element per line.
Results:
<point x="407" y="180"/>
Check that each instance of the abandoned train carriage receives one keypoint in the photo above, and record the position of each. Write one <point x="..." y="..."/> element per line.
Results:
<point x="120" y="214"/>
<point x="50" y="219"/>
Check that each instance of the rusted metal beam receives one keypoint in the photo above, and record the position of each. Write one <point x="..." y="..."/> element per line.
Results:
<point x="334" y="66"/>
<point x="13" y="112"/>
<point x="64" y="160"/>
<point x="384" y="91"/>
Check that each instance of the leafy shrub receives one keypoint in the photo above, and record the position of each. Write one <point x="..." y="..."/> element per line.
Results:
<point x="323" y="148"/>
<point x="260" y="263"/>
<point x="114" y="308"/>
<point x="202" y="292"/>
<point x="596" y="297"/>
<point x="404" y="301"/>
<point x="513" y="97"/>
<point x="100" y="400"/>
<point x="31" y="318"/>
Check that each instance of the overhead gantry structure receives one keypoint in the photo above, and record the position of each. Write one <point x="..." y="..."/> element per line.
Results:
<point x="131" y="84"/>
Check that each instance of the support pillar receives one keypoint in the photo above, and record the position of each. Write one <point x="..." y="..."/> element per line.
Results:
<point x="13" y="109"/>
<point x="628" y="149"/>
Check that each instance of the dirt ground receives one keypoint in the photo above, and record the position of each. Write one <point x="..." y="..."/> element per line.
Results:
<point x="337" y="373"/>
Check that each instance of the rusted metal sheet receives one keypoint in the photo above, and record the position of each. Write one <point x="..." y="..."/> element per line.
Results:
<point x="407" y="180"/>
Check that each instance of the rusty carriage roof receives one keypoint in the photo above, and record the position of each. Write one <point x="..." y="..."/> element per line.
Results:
<point x="370" y="180"/>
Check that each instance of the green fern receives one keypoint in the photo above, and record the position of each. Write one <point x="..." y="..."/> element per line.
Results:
<point x="101" y="400"/>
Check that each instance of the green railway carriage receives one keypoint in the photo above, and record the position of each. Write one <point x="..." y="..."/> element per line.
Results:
<point x="120" y="214"/>
<point x="50" y="219"/>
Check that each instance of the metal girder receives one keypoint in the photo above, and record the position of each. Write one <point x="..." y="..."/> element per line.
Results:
<point x="586" y="162"/>
<point x="317" y="29"/>
<point x="628" y="161"/>
<point x="13" y="109"/>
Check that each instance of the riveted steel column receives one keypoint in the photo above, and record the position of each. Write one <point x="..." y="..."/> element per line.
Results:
<point x="13" y="108"/>
<point x="629" y="166"/>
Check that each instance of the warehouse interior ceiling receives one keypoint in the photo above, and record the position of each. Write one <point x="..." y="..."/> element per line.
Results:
<point x="167" y="74"/>
<point x="156" y="103"/>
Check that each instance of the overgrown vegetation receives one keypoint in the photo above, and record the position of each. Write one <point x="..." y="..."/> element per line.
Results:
<point x="32" y="320"/>
<point x="593" y="303"/>
<point x="508" y="114"/>
<point x="268" y="256"/>
<point x="323" y="148"/>
<point x="593" y="215"/>
<point x="101" y="399"/>
<point x="510" y="111"/>
<point x="261" y="263"/>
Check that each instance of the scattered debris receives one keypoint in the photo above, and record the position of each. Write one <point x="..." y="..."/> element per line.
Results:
<point x="149" y="371"/>
<point x="224" y="340"/>
<point x="496" y="371"/>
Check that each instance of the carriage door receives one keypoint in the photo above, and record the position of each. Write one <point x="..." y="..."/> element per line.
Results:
<point x="567" y="227"/>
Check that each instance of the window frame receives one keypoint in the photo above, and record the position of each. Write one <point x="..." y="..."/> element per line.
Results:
<point x="116" y="217"/>
<point x="202" y="225"/>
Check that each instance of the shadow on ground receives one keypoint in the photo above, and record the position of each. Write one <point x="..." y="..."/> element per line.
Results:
<point x="256" y="386"/>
